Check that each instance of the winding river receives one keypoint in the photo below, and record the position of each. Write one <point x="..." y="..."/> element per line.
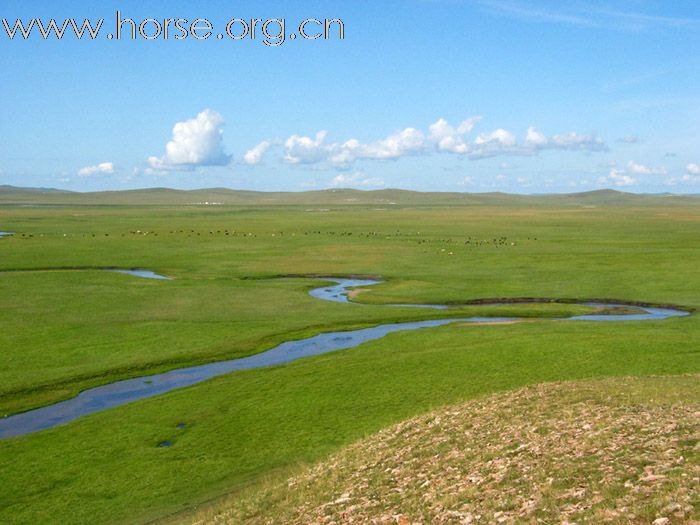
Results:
<point x="146" y="274"/>
<point x="122" y="392"/>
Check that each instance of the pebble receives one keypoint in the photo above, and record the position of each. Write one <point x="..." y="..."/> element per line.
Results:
<point x="344" y="498"/>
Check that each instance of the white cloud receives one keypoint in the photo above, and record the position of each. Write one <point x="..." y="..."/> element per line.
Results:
<point x="618" y="178"/>
<point x="450" y="139"/>
<point x="494" y="143"/>
<point x="500" y="136"/>
<point x="693" y="169"/>
<point x="256" y="154"/>
<point x="571" y="141"/>
<point x="684" y="179"/>
<point x="503" y="142"/>
<point x="195" y="142"/>
<point x="641" y="169"/>
<point x="410" y="141"/>
<point x="535" y="139"/>
<point x="103" y="167"/>
<point x="442" y="137"/>
<point x="307" y="150"/>
<point x="577" y="141"/>
<point x="358" y="179"/>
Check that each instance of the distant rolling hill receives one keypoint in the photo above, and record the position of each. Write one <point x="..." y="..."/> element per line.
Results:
<point x="11" y="195"/>
<point x="16" y="190"/>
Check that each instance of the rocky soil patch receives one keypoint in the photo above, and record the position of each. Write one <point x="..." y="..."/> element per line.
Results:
<point x="610" y="451"/>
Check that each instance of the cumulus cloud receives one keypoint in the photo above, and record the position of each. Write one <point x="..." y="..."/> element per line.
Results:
<point x="451" y="139"/>
<point x="103" y="167"/>
<point x="535" y="139"/>
<point x="499" y="136"/>
<point x="626" y="177"/>
<point x="256" y="154"/>
<point x="618" y="178"/>
<point x="305" y="150"/>
<point x="578" y="141"/>
<point x="502" y="142"/>
<point x="308" y="150"/>
<point x="571" y="141"/>
<point x="693" y="169"/>
<point x="410" y="141"/>
<point x="441" y="137"/>
<point x="195" y="142"/>
<point x="494" y="143"/>
<point x="641" y="169"/>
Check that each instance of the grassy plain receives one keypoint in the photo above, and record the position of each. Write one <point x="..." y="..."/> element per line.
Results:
<point x="66" y="330"/>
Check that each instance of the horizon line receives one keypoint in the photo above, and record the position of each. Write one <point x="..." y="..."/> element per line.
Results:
<point x="331" y="190"/>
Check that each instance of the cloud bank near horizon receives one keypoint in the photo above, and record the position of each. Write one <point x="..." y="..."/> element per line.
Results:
<point x="441" y="137"/>
<point x="198" y="142"/>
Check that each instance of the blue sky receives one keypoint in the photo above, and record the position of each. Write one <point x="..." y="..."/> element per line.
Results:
<point x="443" y="95"/>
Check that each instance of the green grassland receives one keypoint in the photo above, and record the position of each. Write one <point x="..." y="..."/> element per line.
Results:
<point x="68" y="326"/>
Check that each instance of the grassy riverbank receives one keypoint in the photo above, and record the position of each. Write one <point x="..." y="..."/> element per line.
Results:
<point x="65" y="330"/>
<point x="138" y="327"/>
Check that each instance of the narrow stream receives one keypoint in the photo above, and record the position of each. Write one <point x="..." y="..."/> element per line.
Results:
<point x="146" y="274"/>
<point x="122" y="392"/>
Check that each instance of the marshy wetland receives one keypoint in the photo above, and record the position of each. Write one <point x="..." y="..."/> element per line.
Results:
<point x="65" y="332"/>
